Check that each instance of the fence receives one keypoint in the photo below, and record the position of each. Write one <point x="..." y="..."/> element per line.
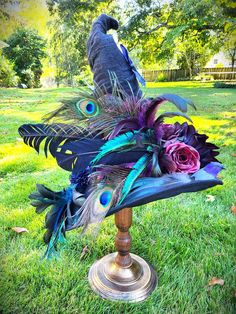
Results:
<point x="221" y="73"/>
<point x="177" y="74"/>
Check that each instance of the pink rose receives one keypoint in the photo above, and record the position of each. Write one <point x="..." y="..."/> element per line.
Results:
<point x="182" y="158"/>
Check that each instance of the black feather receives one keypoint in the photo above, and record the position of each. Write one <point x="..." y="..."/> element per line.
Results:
<point x="53" y="134"/>
<point x="76" y="155"/>
<point x="58" y="201"/>
<point x="44" y="198"/>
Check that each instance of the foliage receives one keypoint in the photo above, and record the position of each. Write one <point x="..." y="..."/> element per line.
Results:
<point x="7" y="74"/>
<point x="203" y="77"/>
<point x="67" y="58"/>
<point x="3" y="5"/>
<point x="27" y="13"/>
<point x="191" y="52"/>
<point x="159" y="28"/>
<point x="85" y="77"/>
<point x="194" y="242"/>
<point x="162" y="77"/>
<point x="69" y="32"/>
<point x="219" y="65"/>
<point x="230" y="48"/>
<point x="225" y="85"/>
<point x="26" y="49"/>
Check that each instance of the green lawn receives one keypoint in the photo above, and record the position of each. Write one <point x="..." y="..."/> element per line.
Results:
<point x="187" y="239"/>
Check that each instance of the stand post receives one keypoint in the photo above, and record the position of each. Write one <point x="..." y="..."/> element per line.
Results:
<point x="123" y="221"/>
<point x="122" y="276"/>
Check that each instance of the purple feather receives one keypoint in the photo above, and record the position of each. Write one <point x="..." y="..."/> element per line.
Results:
<point x="152" y="110"/>
<point x="124" y="126"/>
<point x="143" y="106"/>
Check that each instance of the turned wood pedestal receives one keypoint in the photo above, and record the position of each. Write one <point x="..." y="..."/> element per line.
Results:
<point x="122" y="276"/>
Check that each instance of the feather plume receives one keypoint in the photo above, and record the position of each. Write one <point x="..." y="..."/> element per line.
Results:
<point x="136" y="171"/>
<point x="55" y="218"/>
<point x="121" y="141"/>
<point x="178" y="101"/>
<point x="105" y="185"/>
<point x="53" y="134"/>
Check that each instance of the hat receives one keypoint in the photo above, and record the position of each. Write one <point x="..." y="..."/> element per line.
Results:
<point x="108" y="62"/>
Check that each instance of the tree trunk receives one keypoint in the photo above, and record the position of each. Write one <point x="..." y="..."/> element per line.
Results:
<point x="188" y="65"/>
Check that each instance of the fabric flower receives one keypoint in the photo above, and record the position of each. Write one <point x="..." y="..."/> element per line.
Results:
<point x="207" y="151"/>
<point x="180" y="157"/>
<point x="167" y="134"/>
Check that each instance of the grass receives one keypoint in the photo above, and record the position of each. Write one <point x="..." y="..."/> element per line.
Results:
<point x="187" y="239"/>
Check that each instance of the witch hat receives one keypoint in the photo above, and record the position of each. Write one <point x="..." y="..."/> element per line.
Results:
<point x="108" y="62"/>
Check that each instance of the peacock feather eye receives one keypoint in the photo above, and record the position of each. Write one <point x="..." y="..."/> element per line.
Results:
<point x="105" y="198"/>
<point x="103" y="201"/>
<point x="88" y="107"/>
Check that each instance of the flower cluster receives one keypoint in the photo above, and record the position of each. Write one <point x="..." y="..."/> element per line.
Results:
<point x="183" y="149"/>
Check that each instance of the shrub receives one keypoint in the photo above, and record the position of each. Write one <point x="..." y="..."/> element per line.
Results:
<point x="27" y="78"/>
<point x="181" y="79"/>
<point x="162" y="77"/>
<point x="203" y="77"/>
<point x="26" y="50"/>
<point x="8" y="76"/>
<point x="84" y="78"/>
<point x="225" y="84"/>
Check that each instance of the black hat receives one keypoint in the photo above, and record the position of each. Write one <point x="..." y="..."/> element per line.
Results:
<point x="108" y="62"/>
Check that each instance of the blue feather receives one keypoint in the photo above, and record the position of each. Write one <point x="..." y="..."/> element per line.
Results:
<point x="179" y="102"/>
<point x="56" y="237"/>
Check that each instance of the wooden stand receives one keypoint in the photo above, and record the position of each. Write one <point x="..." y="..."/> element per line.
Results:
<point x="122" y="276"/>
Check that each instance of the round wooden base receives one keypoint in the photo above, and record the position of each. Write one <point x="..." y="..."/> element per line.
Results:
<point x="111" y="281"/>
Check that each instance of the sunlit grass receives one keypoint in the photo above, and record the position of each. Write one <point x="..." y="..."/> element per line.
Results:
<point x="186" y="84"/>
<point x="187" y="239"/>
<point x="36" y="116"/>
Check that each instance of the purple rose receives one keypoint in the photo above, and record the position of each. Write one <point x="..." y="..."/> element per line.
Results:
<point x="179" y="157"/>
<point x="167" y="133"/>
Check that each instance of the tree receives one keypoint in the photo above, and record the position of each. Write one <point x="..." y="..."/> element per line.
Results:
<point x="27" y="13"/>
<point x="157" y="27"/>
<point x="68" y="57"/>
<point x="26" y="49"/>
<point x="192" y="54"/>
<point x="232" y="54"/>
<point x="229" y="46"/>
<point x="69" y="32"/>
<point x="7" y="75"/>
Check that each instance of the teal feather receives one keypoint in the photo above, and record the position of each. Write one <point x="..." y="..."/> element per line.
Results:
<point x="115" y="144"/>
<point x="137" y="169"/>
<point x="55" y="238"/>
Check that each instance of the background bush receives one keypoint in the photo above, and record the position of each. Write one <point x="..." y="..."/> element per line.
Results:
<point x="225" y="84"/>
<point x="8" y="76"/>
<point x="26" y="50"/>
